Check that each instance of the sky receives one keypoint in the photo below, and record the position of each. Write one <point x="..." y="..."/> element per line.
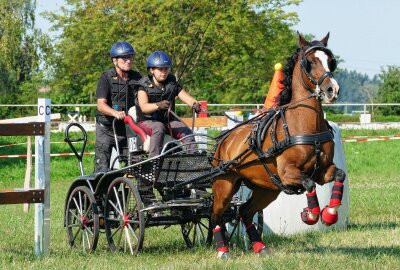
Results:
<point x="363" y="33"/>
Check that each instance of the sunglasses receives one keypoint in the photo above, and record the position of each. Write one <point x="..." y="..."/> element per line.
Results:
<point x="126" y="58"/>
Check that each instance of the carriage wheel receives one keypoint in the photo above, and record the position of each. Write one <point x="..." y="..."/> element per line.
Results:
<point x="82" y="219"/>
<point x="197" y="233"/>
<point x="124" y="222"/>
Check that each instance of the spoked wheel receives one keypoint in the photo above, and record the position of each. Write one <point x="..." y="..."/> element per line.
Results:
<point x="124" y="222"/>
<point x="82" y="219"/>
<point x="197" y="233"/>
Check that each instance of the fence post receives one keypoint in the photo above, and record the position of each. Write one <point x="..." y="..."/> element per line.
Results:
<point x="42" y="179"/>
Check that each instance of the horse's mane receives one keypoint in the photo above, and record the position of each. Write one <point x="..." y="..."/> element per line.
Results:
<point x="286" y="95"/>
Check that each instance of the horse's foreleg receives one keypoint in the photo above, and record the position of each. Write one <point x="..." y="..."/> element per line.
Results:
<point x="310" y="215"/>
<point x="259" y="199"/>
<point x="292" y="175"/>
<point x="329" y="214"/>
<point x="223" y="190"/>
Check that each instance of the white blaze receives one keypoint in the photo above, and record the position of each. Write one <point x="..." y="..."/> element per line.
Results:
<point x="323" y="58"/>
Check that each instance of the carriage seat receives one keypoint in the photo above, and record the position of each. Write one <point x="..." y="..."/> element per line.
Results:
<point x="143" y="136"/>
<point x="131" y="121"/>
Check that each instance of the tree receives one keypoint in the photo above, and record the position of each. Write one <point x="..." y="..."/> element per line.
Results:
<point x="389" y="91"/>
<point x="224" y="50"/>
<point x="21" y="49"/>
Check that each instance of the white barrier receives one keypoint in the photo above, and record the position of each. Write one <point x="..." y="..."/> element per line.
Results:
<point x="40" y="195"/>
<point x="283" y="215"/>
<point x="42" y="179"/>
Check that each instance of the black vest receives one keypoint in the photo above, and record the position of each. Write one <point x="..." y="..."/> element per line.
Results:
<point x="169" y="92"/>
<point x="122" y="93"/>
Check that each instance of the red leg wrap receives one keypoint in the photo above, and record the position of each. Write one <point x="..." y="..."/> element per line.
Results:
<point x="223" y="249"/>
<point x="337" y="193"/>
<point x="220" y="240"/>
<point x="258" y="246"/>
<point x="328" y="219"/>
<point x="313" y="207"/>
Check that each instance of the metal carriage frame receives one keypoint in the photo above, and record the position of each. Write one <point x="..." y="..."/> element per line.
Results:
<point x="113" y="201"/>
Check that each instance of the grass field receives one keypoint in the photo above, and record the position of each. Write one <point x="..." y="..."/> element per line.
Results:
<point x="371" y="241"/>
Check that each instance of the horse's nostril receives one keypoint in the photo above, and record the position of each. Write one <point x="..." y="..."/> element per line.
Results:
<point x="330" y="90"/>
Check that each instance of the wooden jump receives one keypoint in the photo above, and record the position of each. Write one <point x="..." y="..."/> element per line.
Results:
<point x="40" y="195"/>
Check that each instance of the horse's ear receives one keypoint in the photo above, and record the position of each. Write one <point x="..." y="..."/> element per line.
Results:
<point x="325" y="40"/>
<point x="302" y="42"/>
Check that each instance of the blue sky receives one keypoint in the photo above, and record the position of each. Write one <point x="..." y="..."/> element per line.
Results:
<point x="363" y="33"/>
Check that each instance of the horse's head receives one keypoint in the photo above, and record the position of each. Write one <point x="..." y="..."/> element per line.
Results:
<point x="317" y="63"/>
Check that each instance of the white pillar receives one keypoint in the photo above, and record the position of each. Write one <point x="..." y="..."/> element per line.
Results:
<point x="42" y="179"/>
<point x="283" y="215"/>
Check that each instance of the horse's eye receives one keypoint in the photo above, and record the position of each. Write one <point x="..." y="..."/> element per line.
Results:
<point x="307" y="64"/>
<point x="332" y="65"/>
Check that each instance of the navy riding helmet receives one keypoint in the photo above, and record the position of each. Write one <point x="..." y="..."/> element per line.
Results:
<point x="121" y="48"/>
<point x="158" y="59"/>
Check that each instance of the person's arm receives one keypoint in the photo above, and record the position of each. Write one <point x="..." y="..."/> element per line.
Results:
<point x="107" y="110"/>
<point x="189" y="100"/>
<point x="144" y="103"/>
<point x="102" y="92"/>
<point x="186" y="97"/>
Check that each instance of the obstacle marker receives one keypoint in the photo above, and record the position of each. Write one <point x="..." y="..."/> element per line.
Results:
<point x="275" y="88"/>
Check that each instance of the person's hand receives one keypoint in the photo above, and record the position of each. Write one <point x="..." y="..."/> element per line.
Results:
<point x="120" y="115"/>
<point x="196" y="107"/>
<point x="163" y="105"/>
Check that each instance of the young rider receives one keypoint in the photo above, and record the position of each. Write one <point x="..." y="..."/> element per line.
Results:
<point x="155" y="97"/>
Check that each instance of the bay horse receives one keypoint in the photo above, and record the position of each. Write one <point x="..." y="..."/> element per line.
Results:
<point x="289" y="148"/>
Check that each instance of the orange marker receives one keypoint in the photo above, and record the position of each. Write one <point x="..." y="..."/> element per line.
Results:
<point x="275" y="88"/>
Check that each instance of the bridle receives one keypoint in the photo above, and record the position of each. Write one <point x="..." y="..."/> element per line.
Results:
<point x="328" y="74"/>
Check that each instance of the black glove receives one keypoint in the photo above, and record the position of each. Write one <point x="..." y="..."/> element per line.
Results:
<point x="163" y="105"/>
<point x="196" y="107"/>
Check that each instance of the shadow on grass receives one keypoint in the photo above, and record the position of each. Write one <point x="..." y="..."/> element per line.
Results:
<point x="302" y="242"/>
<point x="12" y="251"/>
<point x="373" y="226"/>
<point x="299" y="239"/>
<point x="357" y="251"/>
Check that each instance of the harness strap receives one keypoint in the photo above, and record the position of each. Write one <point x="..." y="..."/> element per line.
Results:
<point x="298" y="140"/>
<point x="313" y="139"/>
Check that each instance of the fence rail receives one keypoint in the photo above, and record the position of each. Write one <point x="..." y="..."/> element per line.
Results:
<point x="254" y="105"/>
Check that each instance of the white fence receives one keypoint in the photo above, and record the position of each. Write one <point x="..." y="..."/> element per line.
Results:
<point x="347" y="107"/>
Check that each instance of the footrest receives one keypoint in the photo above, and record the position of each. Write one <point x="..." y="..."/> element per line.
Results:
<point x="17" y="196"/>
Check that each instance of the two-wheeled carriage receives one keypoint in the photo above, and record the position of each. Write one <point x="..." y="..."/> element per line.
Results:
<point x="173" y="188"/>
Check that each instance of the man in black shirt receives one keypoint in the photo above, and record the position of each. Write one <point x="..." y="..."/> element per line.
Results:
<point x="115" y="95"/>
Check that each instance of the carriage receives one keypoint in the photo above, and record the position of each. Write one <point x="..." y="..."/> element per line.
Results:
<point x="170" y="189"/>
<point x="288" y="148"/>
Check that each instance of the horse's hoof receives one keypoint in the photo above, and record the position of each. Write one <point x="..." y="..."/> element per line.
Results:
<point x="305" y="217"/>
<point x="328" y="218"/>
<point x="223" y="255"/>
<point x="264" y="252"/>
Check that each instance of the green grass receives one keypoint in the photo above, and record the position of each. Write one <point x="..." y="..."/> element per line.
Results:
<point x="372" y="240"/>
<point x="341" y="118"/>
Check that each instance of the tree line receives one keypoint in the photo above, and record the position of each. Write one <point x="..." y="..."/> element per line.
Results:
<point x="223" y="51"/>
